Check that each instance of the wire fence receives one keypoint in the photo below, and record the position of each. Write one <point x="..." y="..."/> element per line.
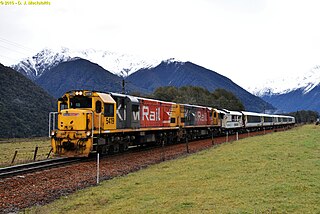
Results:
<point x="24" y="154"/>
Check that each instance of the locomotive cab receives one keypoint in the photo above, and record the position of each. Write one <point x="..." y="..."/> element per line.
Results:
<point x="81" y="115"/>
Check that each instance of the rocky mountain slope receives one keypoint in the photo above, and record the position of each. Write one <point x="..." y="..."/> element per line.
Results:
<point x="175" y="73"/>
<point x="119" y="64"/>
<point x="81" y="74"/>
<point x="294" y="93"/>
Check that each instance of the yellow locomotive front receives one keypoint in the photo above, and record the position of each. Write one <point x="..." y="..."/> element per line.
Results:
<point x="81" y="116"/>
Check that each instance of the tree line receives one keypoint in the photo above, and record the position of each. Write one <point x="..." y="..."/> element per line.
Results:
<point x="304" y="116"/>
<point x="219" y="98"/>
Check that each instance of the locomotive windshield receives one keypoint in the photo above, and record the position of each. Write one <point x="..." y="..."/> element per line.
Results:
<point x="81" y="102"/>
<point x="63" y="106"/>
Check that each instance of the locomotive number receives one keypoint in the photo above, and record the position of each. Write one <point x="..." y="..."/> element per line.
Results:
<point x="109" y="120"/>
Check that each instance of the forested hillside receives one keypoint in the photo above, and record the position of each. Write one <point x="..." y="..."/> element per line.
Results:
<point x="24" y="106"/>
<point x="219" y="98"/>
<point x="178" y="74"/>
<point x="305" y="116"/>
<point x="81" y="74"/>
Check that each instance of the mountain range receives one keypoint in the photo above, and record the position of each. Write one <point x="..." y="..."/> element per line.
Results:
<point x="306" y="81"/>
<point x="293" y="93"/>
<point x="81" y="74"/>
<point x="178" y="74"/>
<point x="118" y="64"/>
<point x="56" y="70"/>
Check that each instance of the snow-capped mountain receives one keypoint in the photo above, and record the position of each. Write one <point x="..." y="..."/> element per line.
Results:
<point x="293" y="93"/>
<point x="33" y="67"/>
<point x="305" y="82"/>
<point x="119" y="64"/>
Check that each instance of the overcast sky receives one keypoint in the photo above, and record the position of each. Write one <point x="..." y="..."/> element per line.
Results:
<point x="244" y="40"/>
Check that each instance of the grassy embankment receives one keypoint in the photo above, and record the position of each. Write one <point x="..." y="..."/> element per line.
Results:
<point x="275" y="173"/>
<point x="25" y="148"/>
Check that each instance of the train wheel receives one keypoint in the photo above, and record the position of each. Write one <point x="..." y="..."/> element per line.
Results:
<point x="116" y="148"/>
<point x="123" y="147"/>
<point x="104" y="149"/>
<point x="111" y="150"/>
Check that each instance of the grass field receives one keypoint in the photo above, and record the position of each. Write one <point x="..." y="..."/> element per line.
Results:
<point x="25" y="148"/>
<point x="275" y="173"/>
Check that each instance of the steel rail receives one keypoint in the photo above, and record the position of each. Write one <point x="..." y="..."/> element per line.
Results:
<point x="35" y="166"/>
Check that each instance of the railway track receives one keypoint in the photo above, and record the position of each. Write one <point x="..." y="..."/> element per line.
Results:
<point x="57" y="162"/>
<point x="35" y="166"/>
<point x="21" y="169"/>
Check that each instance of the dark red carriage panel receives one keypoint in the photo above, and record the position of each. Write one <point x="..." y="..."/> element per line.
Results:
<point x="154" y="113"/>
<point x="166" y="110"/>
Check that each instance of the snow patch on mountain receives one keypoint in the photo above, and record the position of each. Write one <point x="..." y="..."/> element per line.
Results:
<point x="34" y="66"/>
<point x="306" y="81"/>
<point x="116" y="63"/>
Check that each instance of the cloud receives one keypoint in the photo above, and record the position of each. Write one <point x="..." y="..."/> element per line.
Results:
<point x="244" y="40"/>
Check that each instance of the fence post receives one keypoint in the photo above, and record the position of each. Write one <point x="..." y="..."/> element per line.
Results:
<point x="98" y="167"/>
<point x="35" y="153"/>
<point x="162" y="150"/>
<point x="237" y="136"/>
<point x="187" y="144"/>
<point x="49" y="153"/>
<point x="14" y="156"/>
<point x="227" y="137"/>
<point x="212" y="139"/>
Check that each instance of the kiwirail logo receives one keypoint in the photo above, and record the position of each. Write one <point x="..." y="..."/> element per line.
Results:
<point x="22" y="3"/>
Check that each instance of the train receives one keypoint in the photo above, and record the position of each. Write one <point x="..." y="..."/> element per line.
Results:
<point x="88" y="122"/>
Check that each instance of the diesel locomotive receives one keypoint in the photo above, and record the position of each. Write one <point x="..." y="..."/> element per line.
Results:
<point x="92" y="121"/>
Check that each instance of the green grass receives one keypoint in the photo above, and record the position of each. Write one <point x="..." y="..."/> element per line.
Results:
<point x="275" y="173"/>
<point x="25" y="148"/>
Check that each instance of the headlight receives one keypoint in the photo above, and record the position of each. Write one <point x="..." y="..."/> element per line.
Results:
<point x="79" y="93"/>
<point x="88" y="133"/>
<point x="53" y="133"/>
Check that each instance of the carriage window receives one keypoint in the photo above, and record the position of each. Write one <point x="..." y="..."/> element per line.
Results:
<point x="253" y="119"/>
<point x="267" y="119"/>
<point x="234" y="118"/>
<point x="109" y="110"/>
<point x="98" y="106"/>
